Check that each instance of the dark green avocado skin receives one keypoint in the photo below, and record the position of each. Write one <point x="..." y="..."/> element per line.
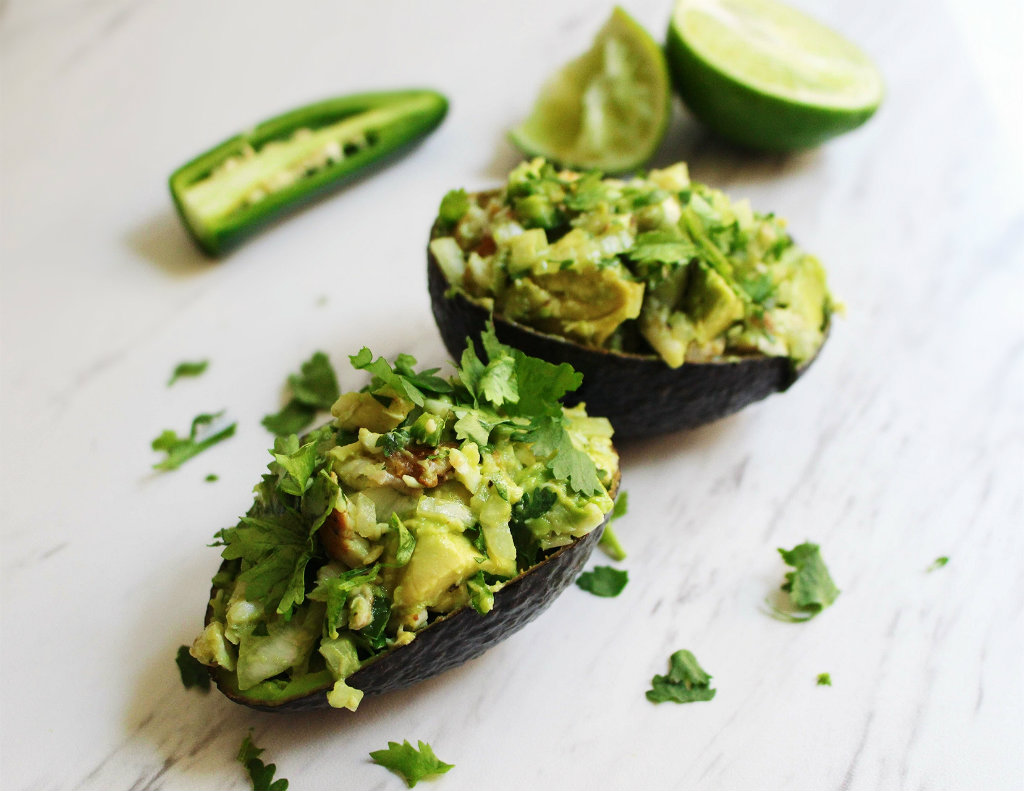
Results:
<point x="639" y="394"/>
<point x="459" y="636"/>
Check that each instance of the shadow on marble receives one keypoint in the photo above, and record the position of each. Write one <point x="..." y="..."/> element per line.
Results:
<point x="163" y="241"/>
<point x="653" y="451"/>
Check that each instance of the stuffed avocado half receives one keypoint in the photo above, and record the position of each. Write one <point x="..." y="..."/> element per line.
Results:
<point x="431" y="518"/>
<point x="655" y="274"/>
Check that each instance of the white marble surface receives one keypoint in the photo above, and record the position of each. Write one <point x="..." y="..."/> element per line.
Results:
<point x="903" y="443"/>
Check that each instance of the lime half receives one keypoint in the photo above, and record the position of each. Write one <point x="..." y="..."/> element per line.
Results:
<point x="607" y="109"/>
<point x="764" y="75"/>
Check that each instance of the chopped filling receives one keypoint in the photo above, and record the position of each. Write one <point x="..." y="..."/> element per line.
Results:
<point x="423" y="496"/>
<point x="649" y="265"/>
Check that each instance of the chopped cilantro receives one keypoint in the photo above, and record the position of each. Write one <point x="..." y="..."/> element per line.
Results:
<point x="393" y="441"/>
<point x="261" y="775"/>
<point x="686" y="681"/>
<point x="809" y="585"/>
<point x="603" y="581"/>
<point x="824" y="680"/>
<point x="454" y="205"/>
<point x="662" y="247"/>
<point x="211" y="478"/>
<point x="481" y="597"/>
<point x="401" y="379"/>
<point x="187" y="369"/>
<point x="409" y="763"/>
<point x="181" y="449"/>
<point x="334" y="592"/>
<point x="314" y="388"/>
<point x="193" y="672"/>
<point x="938" y="563"/>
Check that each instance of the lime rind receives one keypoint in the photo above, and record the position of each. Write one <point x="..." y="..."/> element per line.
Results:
<point x="607" y="109"/>
<point x="766" y="76"/>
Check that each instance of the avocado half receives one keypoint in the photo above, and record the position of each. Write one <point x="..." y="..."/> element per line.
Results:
<point x="448" y="642"/>
<point x="640" y="394"/>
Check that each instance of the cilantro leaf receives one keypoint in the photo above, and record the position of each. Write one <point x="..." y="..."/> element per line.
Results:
<point x="334" y="591"/>
<point x="809" y="585"/>
<point x="292" y="419"/>
<point x="758" y="287"/>
<point x="187" y="368"/>
<point x="193" y="672"/>
<point x="314" y="388"/>
<point x="603" y="581"/>
<point x="568" y="463"/>
<point x="662" y="247"/>
<point x="181" y="449"/>
<point x="316" y="384"/>
<point x="412" y="765"/>
<point x="454" y="205"/>
<point x="393" y="441"/>
<point x="385" y="375"/>
<point x="261" y="775"/>
<point x="406" y="541"/>
<point x="295" y="464"/>
<point x="211" y="478"/>
<point x="938" y="563"/>
<point x="686" y="681"/>
<point x="824" y="680"/>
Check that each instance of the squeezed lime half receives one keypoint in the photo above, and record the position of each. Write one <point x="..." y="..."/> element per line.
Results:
<point x="607" y="109"/>
<point x="765" y="75"/>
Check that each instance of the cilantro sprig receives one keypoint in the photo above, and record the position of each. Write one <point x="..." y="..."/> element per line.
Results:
<point x="187" y="368"/>
<point x="410" y="764"/>
<point x="603" y="581"/>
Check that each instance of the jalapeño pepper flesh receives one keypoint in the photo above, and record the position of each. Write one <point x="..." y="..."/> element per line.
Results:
<point x="229" y="192"/>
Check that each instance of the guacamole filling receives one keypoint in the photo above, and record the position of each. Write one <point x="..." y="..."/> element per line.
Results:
<point x="650" y="265"/>
<point x="424" y="495"/>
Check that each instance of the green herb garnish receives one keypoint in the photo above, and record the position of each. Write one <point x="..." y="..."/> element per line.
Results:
<point x="211" y="478"/>
<point x="181" y="449"/>
<point x="261" y="775"/>
<point x="686" y="681"/>
<point x="187" y="369"/>
<point x="603" y="581"/>
<point x="938" y="563"/>
<point x="824" y="680"/>
<point x="313" y="389"/>
<point x="410" y="764"/>
<point x="193" y="672"/>
<point x="809" y="585"/>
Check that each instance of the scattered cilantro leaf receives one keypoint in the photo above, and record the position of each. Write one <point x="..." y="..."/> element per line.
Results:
<point x="454" y="205"/>
<point x="603" y="581"/>
<point x="385" y="375"/>
<point x="412" y="765"/>
<point x="292" y="419"/>
<point x="316" y="384"/>
<point x="314" y="388"/>
<point x="261" y="775"/>
<point x="295" y="464"/>
<point x="824" y="680"/>
<point x="686" y="681"/>
<point x="187" y="368"/>
<point x="181" y="449"/>
<point x="193" y="672"/>
<point x="212" y="477"/>
<point x="938" y="563"/>
<point x="809" y="585"/>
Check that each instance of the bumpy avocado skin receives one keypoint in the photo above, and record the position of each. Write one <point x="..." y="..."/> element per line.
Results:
<point x="639" y="394"/>
<point x="457" y="637"/>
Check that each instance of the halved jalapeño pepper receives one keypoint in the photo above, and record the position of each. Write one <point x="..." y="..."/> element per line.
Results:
<point x="232" y="190"/>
